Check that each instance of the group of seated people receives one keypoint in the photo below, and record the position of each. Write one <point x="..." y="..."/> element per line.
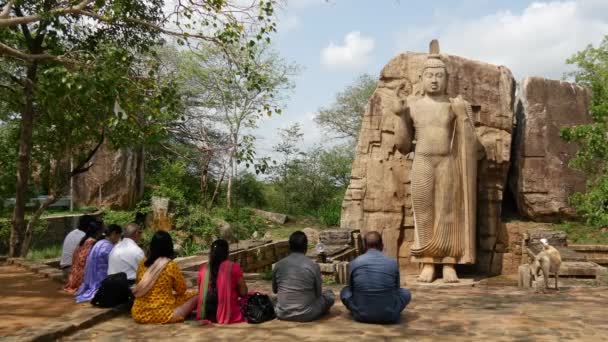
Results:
<point x="161" y="294"/>
<point x="92" y="252"/>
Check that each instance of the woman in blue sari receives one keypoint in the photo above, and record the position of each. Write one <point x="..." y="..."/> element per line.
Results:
<point x="96" y="269"/>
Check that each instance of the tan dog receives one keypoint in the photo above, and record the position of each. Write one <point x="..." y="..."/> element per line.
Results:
<point x="547" y="261"/>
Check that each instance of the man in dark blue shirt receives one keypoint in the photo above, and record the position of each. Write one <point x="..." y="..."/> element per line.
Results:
<point x="374" y="295"/>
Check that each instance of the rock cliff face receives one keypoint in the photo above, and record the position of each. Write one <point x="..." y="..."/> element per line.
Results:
<point x="541" y="180"/>
<point x="115" y="180"/>
<point x="378" y="196"/>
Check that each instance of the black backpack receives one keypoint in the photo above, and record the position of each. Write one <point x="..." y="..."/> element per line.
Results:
<point x="259" y="308"/>
<point x="114" y="291"/>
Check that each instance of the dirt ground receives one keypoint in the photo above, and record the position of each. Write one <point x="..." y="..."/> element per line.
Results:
<point x="27" y="299"/>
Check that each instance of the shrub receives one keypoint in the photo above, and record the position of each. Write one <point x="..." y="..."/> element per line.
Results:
<point x="120" y="218"/>
<point x="197" y="222"/>
<point x="329" y="214"/>
<point x="242" y="221"/>
<point x="49" y="252"/>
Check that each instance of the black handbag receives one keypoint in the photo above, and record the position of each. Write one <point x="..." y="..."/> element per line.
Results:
<point x="113" y="291"/>
<point x="259" y="308"/>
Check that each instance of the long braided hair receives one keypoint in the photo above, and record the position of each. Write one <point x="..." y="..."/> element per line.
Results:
<point x="219" y="253"/>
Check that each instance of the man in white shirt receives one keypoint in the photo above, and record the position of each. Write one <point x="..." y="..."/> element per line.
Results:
<point x="70" y="243"/>
<point x="126" y="254"/>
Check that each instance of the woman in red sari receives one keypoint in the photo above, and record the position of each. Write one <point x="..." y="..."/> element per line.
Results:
<point x="93" y="233"/>
<point x="225" y="278"/>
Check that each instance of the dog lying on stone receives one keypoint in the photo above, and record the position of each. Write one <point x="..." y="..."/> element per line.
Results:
<point x="547" y="261"/>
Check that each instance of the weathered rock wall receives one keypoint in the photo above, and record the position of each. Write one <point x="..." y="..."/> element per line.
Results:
<point x="541" y="180"/>
<point x="116" y="179"/>
<point x="378" y="196"/>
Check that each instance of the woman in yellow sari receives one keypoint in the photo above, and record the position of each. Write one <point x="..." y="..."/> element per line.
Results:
<point x="161" y="295"/>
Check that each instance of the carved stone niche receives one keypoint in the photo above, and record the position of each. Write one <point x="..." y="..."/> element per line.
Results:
<point x="378" y="196"/>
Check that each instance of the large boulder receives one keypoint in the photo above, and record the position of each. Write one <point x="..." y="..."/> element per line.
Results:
<point x="270" y="216"/>
<point x="542" y="181"/>
<point x="378" y="196"/>
<point x="115" y="179"/>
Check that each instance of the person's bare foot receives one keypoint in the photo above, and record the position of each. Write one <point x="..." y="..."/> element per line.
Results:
<point x="449" y="274"/>
<point x="428" y="273"/>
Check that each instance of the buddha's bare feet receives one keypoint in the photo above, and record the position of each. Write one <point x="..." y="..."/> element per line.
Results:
<point x="449" y="274"/>
<point x="428" y="273"/>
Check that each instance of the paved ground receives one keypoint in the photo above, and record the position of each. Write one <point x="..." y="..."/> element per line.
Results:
<point x="26" y="299"/>
<point x="459" y="313"/>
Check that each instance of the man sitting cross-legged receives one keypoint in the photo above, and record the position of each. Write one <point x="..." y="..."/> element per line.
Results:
<point x="374" y="295"/>
<point x="126" y="255"/>
<point x="296" y="280"/>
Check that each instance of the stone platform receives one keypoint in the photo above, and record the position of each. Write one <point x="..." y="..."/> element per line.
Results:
<point x="454" y="314"/>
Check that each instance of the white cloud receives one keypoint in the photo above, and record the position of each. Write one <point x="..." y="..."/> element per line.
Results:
<point x="535" y="42"/>
<point x="353" y="54"/>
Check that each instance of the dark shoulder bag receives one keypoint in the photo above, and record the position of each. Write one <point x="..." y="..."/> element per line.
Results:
<point x="113" y="291"/>
<point x="259" y="308"/>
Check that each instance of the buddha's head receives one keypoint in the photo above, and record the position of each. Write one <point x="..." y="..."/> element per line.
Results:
<point x="434" y="76"/>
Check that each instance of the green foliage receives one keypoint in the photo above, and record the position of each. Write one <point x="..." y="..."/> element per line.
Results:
<point x="8" y="160"/>
<point x="311" y="182"/>
<point x="329" y="213"/>
<point x="592" y="157"/>
<point x="85" y="71"/>
<point x="145" y="238"/>
<point x="5" y="233"/>
<point x="189" y="248"/>
<point x="267" y="274"/>
<point x="583" y="234"/>
<point x="249" y="191"/>
<point x="329" y="279"/>
<point x="45" y="252"/>
<point x="121" y="218"/>
<point x="343" y="117"/>
<point x="170" y="179"/>
<point x="243" y="222"/>
<point x="198" y="222"/>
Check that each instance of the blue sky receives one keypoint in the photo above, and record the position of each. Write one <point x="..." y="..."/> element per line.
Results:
<point x="337" y="40"/>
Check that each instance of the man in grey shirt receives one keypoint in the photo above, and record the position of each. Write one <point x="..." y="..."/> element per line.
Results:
<point x="296" y="280"/>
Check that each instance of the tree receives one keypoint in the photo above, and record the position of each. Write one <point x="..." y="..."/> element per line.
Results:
<point x="592" y="156"/>
<point x="343" y="117"/>
<point x="219" y="99"/>
<point x="289" y="150"/>
<point x="42" y="42"/>
<point x="336" y="164"/>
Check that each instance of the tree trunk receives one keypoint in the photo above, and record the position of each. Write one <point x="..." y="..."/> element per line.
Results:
<point x="217" y="189"/>
<point x="229" y="188"/>
<point x="61" y="188"/>
<point x="29" y="231"/>
<point x="205" y="161"/>
<point x="23" y="162"/>
<point x="231" y="174"/>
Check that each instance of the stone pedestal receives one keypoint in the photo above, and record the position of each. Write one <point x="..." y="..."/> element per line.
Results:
<point x="525" y="278"/>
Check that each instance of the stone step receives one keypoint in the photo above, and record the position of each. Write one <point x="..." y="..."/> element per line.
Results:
<point x="581" y="269"/>
<point x="602" y="261"/>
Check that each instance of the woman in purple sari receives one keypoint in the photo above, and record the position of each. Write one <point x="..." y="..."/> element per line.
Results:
<point x="96" y="269"/>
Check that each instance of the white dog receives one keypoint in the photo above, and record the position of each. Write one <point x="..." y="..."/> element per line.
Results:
<point x="547" y="261"/>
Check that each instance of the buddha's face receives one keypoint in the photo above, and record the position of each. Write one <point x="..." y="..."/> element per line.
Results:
<point x="434" y="81"/>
